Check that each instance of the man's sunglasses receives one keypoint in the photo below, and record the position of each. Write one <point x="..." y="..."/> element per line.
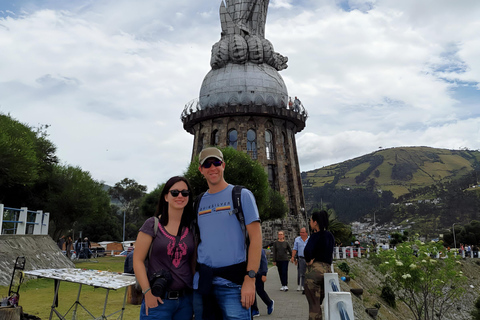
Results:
<point x="175" y="193"/>
<point x="208" y="164"/>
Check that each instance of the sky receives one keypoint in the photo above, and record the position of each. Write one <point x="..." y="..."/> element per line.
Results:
<point x="111" y="77"/>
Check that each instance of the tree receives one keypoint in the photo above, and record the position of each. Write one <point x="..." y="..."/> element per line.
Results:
<point x="150" y="202"/>
<point x="74" y="198"/>
<point x="129" y="193"/>
<point x="276" y="208"/>
<point x="240" y="170"/>
<point x="428" y="286"/>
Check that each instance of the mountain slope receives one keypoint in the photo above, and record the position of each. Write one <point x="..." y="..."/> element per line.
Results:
<point x="398" y="170"/>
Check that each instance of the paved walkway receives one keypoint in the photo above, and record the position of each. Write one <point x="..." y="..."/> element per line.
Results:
<point x="290" y="305"/>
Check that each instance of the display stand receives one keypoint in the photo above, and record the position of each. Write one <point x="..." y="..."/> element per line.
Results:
<point x="95" y="278"/>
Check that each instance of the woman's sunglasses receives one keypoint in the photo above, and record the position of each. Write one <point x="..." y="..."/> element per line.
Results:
<point x="208" y="164"/>
<point x="175" y="193"/>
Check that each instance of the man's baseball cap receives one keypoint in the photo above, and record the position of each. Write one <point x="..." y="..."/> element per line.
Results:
<point x="210" y="152"/>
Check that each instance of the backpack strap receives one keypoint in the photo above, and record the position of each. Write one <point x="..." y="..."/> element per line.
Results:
<point x="155" y="230"/>
<point x="237" y="209"/>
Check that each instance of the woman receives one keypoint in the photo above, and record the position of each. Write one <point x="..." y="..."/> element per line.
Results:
<point x="318" y="255"/>
<point x="170" y="264"/>
<point x="281" y="255"/>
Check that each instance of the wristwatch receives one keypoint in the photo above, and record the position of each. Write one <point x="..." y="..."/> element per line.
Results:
<point x="251" y="273"/>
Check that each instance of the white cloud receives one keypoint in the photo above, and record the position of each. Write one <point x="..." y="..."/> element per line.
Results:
<point x="112" y="77"/>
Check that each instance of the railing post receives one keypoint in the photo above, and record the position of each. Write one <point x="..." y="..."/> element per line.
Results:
<point x="22" y="225"/>
<point x="37" y="228"/>
<point x="45" y="222"/>
<point x="359" y="252"/>
<point x="327" y="287"/>
<point x="337" y="252"/>
<point x="1" y="218"/>
<point x="341" y="307"/>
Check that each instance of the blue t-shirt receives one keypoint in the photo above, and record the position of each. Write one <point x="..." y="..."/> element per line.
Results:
<point x="299" y="245"/>
<point x="222" y="241"/>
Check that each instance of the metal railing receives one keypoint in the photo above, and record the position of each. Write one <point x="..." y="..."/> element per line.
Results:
<point x="194" y="105"/>
<point x="23" y="221"/>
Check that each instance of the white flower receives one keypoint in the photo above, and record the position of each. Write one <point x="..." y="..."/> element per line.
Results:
<point x="413" y="266"/>
<point x="405" y="276"/>
<point x="399" y="263"/>
<point x="386" y="262"/>
<point x="433" y="261"/>
<point x="424" y="261"/>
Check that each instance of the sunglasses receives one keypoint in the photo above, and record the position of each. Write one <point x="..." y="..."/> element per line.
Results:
<point x="175" y="193"/>
<point x="209" y="164"/>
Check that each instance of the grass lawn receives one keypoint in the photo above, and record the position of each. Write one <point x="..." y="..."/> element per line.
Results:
<point x="36" y="295"/>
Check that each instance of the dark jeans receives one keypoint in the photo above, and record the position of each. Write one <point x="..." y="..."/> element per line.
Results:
<point x="282" y="267"/>
<point x="260" y="288"/>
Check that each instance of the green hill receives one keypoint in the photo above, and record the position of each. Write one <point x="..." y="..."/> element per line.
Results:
<point x="399" y="170"/>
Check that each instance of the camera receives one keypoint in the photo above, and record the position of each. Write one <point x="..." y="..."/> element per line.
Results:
<point x="160" y="282"/>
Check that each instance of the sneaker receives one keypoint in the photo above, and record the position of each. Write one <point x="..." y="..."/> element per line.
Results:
<point x="299" y="288"/>
<point x="303" y="288"/>
<point x="286" y="288"/>
<point x="255" y="313"/>
<point x="270" y="307"/>
<point x="282" y="289"/>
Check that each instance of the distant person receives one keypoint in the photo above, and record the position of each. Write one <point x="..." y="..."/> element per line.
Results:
<point x="299" y="259"/>
<point x="319" y="256"/>
<point x="282" y="252"/>
<point x="260" y="280"/>
<point x="297" y="104"/>
<point x="61" y="242"/>
<point x="290" y="103"/>
<point x="69" y="246"/>
<point x="167" y="285"/>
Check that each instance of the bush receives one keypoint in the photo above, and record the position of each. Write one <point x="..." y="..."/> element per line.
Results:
<point x="344" y="267"/>
<point x="389" y="296"/>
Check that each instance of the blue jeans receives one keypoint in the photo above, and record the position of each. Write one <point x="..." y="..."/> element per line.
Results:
<point x="228" y="298"/>
<point x="180" y="309"/>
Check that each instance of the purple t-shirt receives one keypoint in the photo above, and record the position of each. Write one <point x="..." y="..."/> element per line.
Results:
<point x="171" y="253"/>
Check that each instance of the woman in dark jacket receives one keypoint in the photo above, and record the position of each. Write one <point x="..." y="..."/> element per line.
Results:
<point x="318" y="255"/>
<point x="282" y="252"/>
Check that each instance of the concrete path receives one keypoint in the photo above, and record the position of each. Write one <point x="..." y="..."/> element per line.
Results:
<point x="290" y="305"/>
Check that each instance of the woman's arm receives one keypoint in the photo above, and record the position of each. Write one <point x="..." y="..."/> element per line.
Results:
<point x="142" y="246"/>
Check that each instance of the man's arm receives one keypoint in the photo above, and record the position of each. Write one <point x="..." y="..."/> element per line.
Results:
<point x="254" y="254"/>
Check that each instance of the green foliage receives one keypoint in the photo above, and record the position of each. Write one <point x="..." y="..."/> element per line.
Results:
<point x="275" y="208"/>
<point x="344" y="267"/>
<point x="428" y="286"/>
<point x="396" y="238"/>
<point x="75" y="200"/>
<point x="240" y="169"/>
<point x="129" y="193"/>
<point x="389" y="296"/>
<point x="150" y="202"/>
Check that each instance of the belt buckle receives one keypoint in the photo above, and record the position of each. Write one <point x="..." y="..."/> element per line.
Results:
<point x="173" y="295"/>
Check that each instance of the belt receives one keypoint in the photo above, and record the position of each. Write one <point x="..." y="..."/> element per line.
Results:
<point x="174" y="295"/>
<point x="301" y="257"/>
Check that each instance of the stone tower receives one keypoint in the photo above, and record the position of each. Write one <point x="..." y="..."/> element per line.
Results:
<point x="244" y="103"/>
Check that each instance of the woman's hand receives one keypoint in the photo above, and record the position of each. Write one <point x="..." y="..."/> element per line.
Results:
<point x="151" y="301"/>
<point x="310" y="263"/>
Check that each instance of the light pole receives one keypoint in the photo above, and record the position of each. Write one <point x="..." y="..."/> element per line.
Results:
<point x="454" y="240"/>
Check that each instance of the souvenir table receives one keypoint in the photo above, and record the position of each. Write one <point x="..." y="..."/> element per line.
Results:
<point x="95" y="278"/>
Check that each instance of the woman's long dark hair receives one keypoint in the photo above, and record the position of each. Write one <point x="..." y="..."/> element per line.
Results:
<point x="321" y="217"/>
<point x="162" y="206"/>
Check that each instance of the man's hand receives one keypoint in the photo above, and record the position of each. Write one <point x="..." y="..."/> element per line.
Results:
<point x="264" y="278"/>
<point x="248" y="292"/>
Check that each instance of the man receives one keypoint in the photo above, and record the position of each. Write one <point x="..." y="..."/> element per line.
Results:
<point x="298" y="247"/>
<point x="225" y="280"/>
<point x="260" y="287"/>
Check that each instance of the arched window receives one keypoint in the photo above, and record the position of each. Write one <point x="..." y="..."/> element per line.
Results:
<point x="269" y="145"/>
<point x="252" y="143"/>
<point x="214" y="138"/>
<point x="232" y="138"/>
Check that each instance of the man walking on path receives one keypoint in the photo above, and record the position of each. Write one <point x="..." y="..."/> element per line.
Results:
<point x="299" y="259"/>
<point x="225" y="281"/>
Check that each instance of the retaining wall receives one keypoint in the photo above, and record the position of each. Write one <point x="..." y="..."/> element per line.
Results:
<point x="40" y="252"/>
